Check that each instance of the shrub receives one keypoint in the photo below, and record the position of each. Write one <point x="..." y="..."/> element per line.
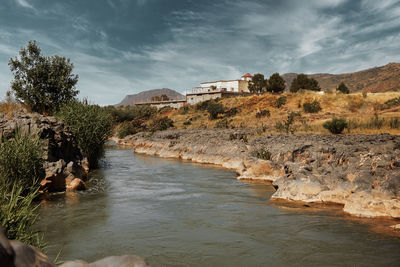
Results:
<point x="21" y="161"/>
<point x="263" y="113"/>
<point x="161" y="124"/>
<point x="276" y="83"/>
<point x="187" y="123"/>
<point x="342" y="88"/>
<point x="238" y="136"/>
<point x="129" y="113"/>
<point x="131" y="127"/>
<point x="364" y="94"/>
<point x="223" y="123"/>
<point x="287" y="126"/>
<point x="42" y="83"/>
<point x="214" y="109"/>
<point x="183" y="110"/>
<point x="18" y="214"/>
<point x="203" y="105"/>
<point x="355" y="103"/>
<point x="303" y="82"/>
<point x="281" y="101"/>
<point x="336" y="125"/>
<point x="262" y="153"/>
<point x="90" y="124"/>
<point x="312" y="107"/>
<point x="393" y="102"/>
<point x="165" y="109"/>
<point x="231" y="112"/>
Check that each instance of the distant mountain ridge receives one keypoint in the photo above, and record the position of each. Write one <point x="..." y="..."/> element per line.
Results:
<point x="146" y="96"/>
<point x="378" y="79"/>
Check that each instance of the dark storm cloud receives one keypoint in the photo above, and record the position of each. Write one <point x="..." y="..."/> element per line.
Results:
<point x="121" y="46"/>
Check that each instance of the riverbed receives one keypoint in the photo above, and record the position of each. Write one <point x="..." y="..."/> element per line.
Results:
<point x="178" y="213"/>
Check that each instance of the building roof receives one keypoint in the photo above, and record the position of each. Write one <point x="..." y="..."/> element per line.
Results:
<point x="248" y="75"/>
<point x="221" y="81"/>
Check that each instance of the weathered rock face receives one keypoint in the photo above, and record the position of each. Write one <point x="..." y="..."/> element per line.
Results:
<point x="63" y="159"/>
<point x="361" y="172"/>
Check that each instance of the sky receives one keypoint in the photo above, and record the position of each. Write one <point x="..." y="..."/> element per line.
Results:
<point x="122" y="47"/>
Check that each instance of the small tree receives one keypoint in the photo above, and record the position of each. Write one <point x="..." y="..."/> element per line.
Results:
<point x="214" y="109"/>
<point x="343" y="88"/>
<point x="42" y="83"/>
<point x="276" y="83"/>
<point x="257" y="83"/>
<point x="303" y="82"/>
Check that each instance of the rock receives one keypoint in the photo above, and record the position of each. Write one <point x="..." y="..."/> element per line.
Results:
<point x="113" y="261"/>
<point x="396" y="227"/>
<point x="59" y="147"/>
<point x="76" y="184"/>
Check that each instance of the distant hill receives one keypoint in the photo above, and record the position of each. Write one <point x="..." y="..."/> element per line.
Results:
<point x="378" y="79"/>
<point x="146" y="96"/>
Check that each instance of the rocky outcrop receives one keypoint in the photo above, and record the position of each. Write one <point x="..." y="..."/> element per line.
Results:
<point x="17" y="254"/>
<point x="360" y="172"/>
<point x="64" y="162"/>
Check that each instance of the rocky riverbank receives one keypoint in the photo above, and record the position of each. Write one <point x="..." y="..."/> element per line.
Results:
<point x="360" y="172"/>
<point x="65" y="166"/>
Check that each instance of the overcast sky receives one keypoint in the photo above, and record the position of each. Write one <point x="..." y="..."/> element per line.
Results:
<point x="122" y="47"/>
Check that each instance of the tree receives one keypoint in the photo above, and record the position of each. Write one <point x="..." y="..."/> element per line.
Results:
<point x="303" y="82"/>
<point x="257" y="83"/>
<point x="276" y="83"/>
<point x="42" y="83"/>
<point x="343" y="88"/>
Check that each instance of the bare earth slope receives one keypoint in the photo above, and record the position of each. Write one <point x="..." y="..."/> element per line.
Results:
<point x="379" y="79"/>
<point x="360" y="172"/>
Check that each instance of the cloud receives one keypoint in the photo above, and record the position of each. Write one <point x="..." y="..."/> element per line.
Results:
<point x="24" y="3"/>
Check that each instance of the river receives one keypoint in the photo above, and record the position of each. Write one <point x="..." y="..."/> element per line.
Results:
<point x="177" y="213"/>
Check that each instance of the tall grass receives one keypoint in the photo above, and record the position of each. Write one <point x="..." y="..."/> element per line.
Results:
<point x="91" y="125"/>
<point x="21" y="160"/>
<point x="375" y="122"/>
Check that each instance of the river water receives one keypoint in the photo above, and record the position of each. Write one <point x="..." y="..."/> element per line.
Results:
<point x="177" y="213"/>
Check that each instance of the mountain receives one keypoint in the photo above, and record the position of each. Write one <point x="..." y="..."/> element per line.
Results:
<point x="378" y="79"/>
<point x="146" y="96"/>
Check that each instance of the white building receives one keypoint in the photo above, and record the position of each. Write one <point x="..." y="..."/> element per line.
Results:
<point x="215" y="89"/>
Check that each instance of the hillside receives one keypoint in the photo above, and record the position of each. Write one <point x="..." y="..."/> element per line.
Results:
<point x="379" y="79"/>
<point x="146" y="96"/>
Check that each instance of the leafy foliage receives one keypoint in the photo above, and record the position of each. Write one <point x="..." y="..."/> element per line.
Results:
<point x="303" y="82"/>
<point x="161" y="124"/>
<point x="21" y="161"/>
<point x="263" y="113"/>
<point x="262" y="153"/>
<point x="223" y="123"/>
<point x="287" y="125"/>
<point x="393" y="102"/>
<point x="312" y="107"/>
<point x="281" y="101"/>
<point x="42" y="83"/>
<point x="91" y="125"/>
<point x="130" y="113"/>
<point x="214" y="109"/>
<point x="257" y="84"/>
<point x="343" y="88"/>
<point x="335" y="125"/>
<point x="276" y="83"/>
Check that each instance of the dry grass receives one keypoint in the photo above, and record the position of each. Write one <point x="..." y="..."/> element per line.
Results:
<point x="9" y="105"/>
<point x="352" y="107"/>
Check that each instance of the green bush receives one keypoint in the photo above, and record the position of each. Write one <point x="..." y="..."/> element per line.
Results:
<point x="91" y="125"/>
<point x="231" y="112"/>
<point x="214" y="109"/>
<point x="129" y="113"/>
<point x="281" y="101"/>
<point x="183" y="110"/>
<point x="187" y="123"/>
<point x="393" y="102"/>
<point x="130" y="127"/>
<point x="262" y="153"/>
<point x="263" y="113"/>
<point x="342" y="88"/>
<point x="287" y="125"/>
<point x="161" y="124"/>
<point x="18" y="213"/>
<point x="336" y="125"/>
<point x="312" y="107"/>
<point x="223" y="123"/>
<point x="21" y="161"/>
<point x="203" y="105"/>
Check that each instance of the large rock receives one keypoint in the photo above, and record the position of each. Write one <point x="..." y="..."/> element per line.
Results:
<point x="360" y="172"/>
<point x="63" y="158"/>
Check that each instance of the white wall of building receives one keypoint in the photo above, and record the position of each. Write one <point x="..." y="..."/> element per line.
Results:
<point x="230" y="86"/>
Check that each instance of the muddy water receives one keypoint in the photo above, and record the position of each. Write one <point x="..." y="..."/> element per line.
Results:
<point x="176" y="213"/>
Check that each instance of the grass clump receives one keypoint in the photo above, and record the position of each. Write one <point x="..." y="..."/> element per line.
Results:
<point x="393" y="102"/>
<point x="287" y="126"/>
<point x="21" y="161"/>
<point x="281" y="101"/>
<point x="312" y="107"/>
<point x="223" y="123"/>
<point x="335" y="125"/>
<point x="214" y="109"/>
<point x="262" y="153"/>
<point x="91" y="125"/>
<point x="263" y="113"/>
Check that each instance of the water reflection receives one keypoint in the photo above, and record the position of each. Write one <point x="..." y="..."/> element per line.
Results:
<point x="176" y="213"/>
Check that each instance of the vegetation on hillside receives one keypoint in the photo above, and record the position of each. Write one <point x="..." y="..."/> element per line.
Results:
<point x="303" y="82"/>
